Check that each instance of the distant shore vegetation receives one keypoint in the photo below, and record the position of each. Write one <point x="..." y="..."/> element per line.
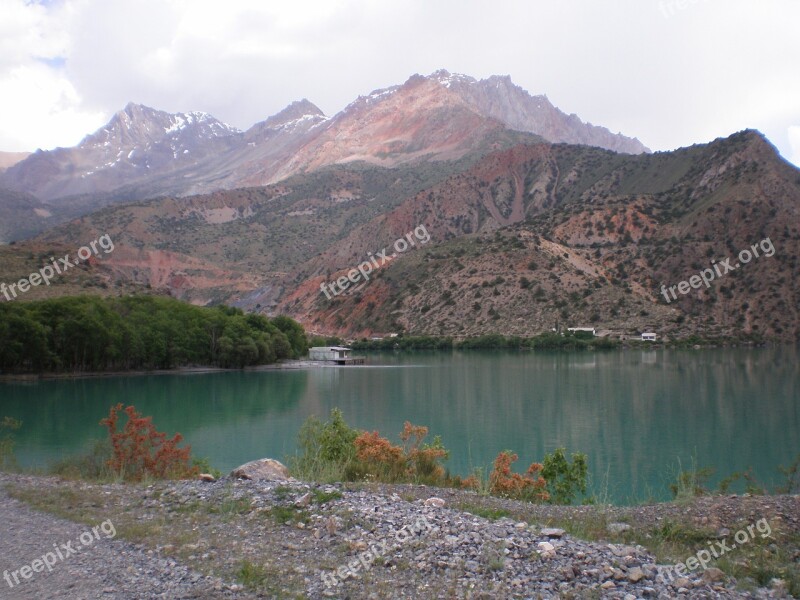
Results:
<point x="90" y="333"/>
<point x="543" y="341"/>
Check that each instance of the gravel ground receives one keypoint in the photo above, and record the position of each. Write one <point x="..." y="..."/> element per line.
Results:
<point x="297" y="540"/>
<point x="105" y="568"/>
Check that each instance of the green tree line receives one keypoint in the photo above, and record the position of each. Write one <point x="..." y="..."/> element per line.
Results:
<point x="89" y="333"/>
<point x="543" y="341"/>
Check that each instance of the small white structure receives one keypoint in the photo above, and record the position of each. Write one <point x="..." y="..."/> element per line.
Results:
<point x="334" y="354"/>
<point x="329" y="353"/>
<point x="591" y="330"/>
<point x="649" y="337"/>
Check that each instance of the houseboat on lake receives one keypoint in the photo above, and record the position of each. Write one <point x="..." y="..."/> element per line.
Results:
<point x="335" y="354"/>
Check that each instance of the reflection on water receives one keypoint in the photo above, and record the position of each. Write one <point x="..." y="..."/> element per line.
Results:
<point x="634" y="413"/>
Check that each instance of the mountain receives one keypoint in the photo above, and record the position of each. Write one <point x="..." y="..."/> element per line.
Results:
<point x="417" y="121"/>
<point x="9" y="159"/>
<point x="21" y="216"/>
<point x="143" y="152"/>
<point x="137" y="145"/>
<point x="521" y="240"/>
<point x="534" y="237"/>
<point x="498" y="97"/>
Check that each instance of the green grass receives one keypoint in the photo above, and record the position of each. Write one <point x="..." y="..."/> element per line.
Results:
<point x="231" y="506"/>
<point x="493" y="514"/>
<point x="289" y="514"/>
<point x="321" y="497"/>
<point x="252" y="575"/>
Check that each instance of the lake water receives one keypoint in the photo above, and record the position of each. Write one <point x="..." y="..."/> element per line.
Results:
<point x="636" y="414"/>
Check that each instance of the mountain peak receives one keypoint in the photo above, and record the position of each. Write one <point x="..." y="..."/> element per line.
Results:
<point x="297" y="110"/>
<point x="500" y="98"/>
<point x="136" y="112"/>
<point x="447" y="79"/>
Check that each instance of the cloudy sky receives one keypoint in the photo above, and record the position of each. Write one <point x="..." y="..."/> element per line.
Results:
<point x="670" y="72"/>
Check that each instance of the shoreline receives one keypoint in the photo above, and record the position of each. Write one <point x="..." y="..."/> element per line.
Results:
<point x="33" y="377"/>
<point x="298" y="364"/>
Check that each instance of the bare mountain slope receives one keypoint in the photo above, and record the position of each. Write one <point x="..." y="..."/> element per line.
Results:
<point x="498" y="97"/>
<point x="9" y="159"/>
<point x="521" y="240"/>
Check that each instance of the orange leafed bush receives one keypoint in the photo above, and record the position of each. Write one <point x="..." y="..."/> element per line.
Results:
<point x="470" y="483"/>
<point x="372" y="448"/>
<point x="504" y="482"/>
<point x="424" y="459"/>
<point x="413" y="461"/>
<point x="140" y="450"/>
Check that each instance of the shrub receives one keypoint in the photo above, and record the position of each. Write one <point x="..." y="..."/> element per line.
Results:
<point x="415" y="461"/>
<point x="379" y="457"/>
<point x="423" y="458"/>
<point x="565" y="480"/>
<point x="140" y="450"/>
<point x="791" y="478"/>
<point x="92" y="465"/>
<point x="471" y="482"/>
<point x="327" y="450"/>
<point x="689" y="484"/>
<point x="7" y="459"/>
<point x="334" y="451"/>
<point x="504" y="482"/>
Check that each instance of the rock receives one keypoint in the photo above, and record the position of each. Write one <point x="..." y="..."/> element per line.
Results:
<point x="265" y="469"/>
<point x="617" y="528"/>
<point x="682" y="583"/>
<point x="622" y="550"/>
<point x="552" y="532"/>
<point x="331" y="525"/>
<point x="207" y="477"/>
<point x="608" y="585"/>
<point x="779" y="587"/>
<point x="546" y="549"/>
<point x="635" y="575"/>
<point x="713" y="575"/>
<point x="303" y="501"/>
<point x="435" y="502"/>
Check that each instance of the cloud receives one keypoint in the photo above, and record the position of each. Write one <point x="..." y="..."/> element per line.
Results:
<point x="41" y="109"/>
<point x="39" y="106"/>
<point x="705" y="70"/>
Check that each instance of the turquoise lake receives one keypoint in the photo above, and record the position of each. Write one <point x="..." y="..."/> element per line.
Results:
<point x="638" y="415"/>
